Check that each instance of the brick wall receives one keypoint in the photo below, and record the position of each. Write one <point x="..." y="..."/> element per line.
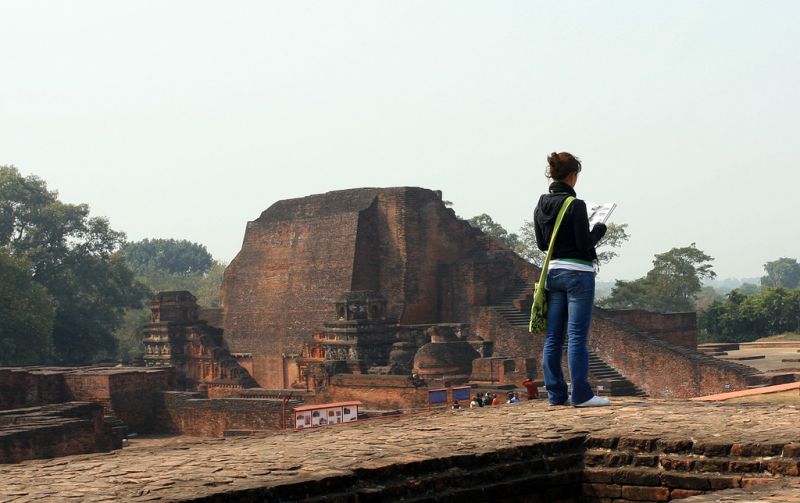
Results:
<point x="500" y="370"/>
<point x="675" y="328"/>
<point x="134" y="396"/>
<point x="661" y="368"/>
<point x="21" y="387"/>
<point x="374" y="391"/>
<point x="509" y="341"/>
<point x="188" y="414"/>
<point x="130" y="395"/>
<point x="127" y="393"/>
<point x="51" y="431"/>
<point x="296" y="259"/>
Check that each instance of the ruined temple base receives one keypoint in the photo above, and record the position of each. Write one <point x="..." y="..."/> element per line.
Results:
<point x="637" y="449"/>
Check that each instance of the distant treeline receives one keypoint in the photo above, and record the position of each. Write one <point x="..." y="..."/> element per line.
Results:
<point x="72" y="289"/>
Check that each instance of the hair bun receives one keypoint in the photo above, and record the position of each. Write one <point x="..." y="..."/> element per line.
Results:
<point x="561" y="165"/>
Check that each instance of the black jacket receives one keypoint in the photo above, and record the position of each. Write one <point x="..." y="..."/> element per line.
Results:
<point x="574" y="239"/>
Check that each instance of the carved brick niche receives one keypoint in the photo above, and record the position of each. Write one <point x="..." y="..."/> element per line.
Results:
<point x="176" y="337"/>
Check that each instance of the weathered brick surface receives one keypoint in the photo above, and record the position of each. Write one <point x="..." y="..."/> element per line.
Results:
<point x="598" y="475"/>
<point x="678" y="329"/>
<point x="519" y="451"/>
<point x="757" y="449"/>
<point x="644" y="493"/>
<point x="670" y="445"/>
<point x="602" y="490"/>
<point x="383" y="397"/>
<point x="712" y="465"/>
<point x="187" y="414"/>
<point x="676" y="463"/>
<point x="129" y="393"/>
<point x="634" y="477"/>
<point x="745" y="466"/>
<point x="792" y="450"/>
<point x="711" y="448"/>
<point x="686" y="481"/>
<point x="724" y="482"/>
<point x="644" y="444"/>
<point x="24" y="387"/>
<point x="659" y="367"/>
<point x="790" y="468"/>
<point x="50" y="431"/>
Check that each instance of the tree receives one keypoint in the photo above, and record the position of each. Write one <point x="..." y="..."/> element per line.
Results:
<point x="742" y="318"/>
<point x="170" y="256"/>
<point x="671" y="285"/>
<point x="169" y="264"/>
<point x="161" y="265"/>
<point x="616" y="235"/>
<point x="488" y="226"/>
<point x="26" y="314"/>
<point x="784" y="272"/>
<point x="73" y="256"/>
<point x="524" y="243"/>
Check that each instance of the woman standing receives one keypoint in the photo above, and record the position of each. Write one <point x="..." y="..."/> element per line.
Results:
<point x="570" y="283"/>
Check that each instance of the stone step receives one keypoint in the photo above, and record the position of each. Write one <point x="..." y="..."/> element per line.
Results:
<point x="591" y="469"/>
<point x="599" y="371"/>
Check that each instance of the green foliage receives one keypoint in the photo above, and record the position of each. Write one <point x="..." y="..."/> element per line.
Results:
<point x="670" y="286"/>
<point x="616" y="235"/>
<point x="527" y="245"/>
<point x="204" y="286"/>
<point x="26" y="314"/>
<point x="784" y="272"/>
<point x="524" y="243"/>
<point x="749" y="288"/>
<point x="169" y="256"/>
<point x="71" y="255"/>
<point x="129" y="334"/>
<point x="744" y="318"/>
<point x="174" y="265"/>
<point x="491" y="228"/>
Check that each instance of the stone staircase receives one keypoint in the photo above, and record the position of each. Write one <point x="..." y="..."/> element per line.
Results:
<point x="613" y="383"/>
<point x="514" y="306"/>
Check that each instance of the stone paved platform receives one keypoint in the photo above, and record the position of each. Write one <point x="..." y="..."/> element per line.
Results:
<point x="182" y="468"/>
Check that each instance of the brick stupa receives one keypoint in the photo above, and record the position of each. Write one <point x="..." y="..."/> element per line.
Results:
<point x="301" y="254"/>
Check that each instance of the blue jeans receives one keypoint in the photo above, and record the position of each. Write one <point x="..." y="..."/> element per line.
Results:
<point x="570" y="296"/>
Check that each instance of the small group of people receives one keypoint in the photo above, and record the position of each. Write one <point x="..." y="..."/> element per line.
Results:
<point x="492" y="399"/>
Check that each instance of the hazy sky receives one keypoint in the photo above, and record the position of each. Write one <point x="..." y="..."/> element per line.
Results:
<point x="187" y="119"/>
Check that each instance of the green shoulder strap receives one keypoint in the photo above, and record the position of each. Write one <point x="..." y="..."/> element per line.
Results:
<point x="559" y="218"/>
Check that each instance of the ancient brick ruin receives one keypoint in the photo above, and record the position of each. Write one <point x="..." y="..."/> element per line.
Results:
<point x="357" y="281"/>
<point x="177" y="338"/>
<point x="302" y="255"/>
<point x="379" y="295"/>
<point x="57" y="411"/>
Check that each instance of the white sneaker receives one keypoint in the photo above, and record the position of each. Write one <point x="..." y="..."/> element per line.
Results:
<point x="595" y="401"/>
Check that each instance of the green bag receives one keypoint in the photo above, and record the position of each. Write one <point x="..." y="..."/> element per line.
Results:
<point x="538" y="322"/>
